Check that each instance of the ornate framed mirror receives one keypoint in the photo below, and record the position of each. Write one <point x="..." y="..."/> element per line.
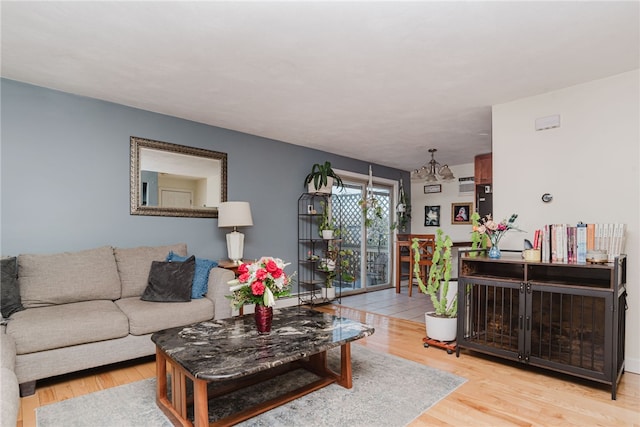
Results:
<point x="175" y="180"/>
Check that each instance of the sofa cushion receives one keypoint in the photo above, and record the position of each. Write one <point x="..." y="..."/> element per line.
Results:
<point x="9" y="287"/>
<point x="146" y="317"/>
<point x="134" y="265"/>
<point x="46" y="328"/>
<point x="68" y="277"/>
<point x="170" y="281"/>
<point x="201" y="276"/>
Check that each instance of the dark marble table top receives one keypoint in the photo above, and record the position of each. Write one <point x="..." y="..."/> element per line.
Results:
<point x="224" y="349"/>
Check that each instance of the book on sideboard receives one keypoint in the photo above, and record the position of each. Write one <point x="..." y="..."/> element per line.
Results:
<point x="571" y="243"/>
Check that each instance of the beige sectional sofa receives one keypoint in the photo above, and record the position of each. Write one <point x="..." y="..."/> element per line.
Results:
<point x="83" y="310"/>
<point x="10" y="400"/>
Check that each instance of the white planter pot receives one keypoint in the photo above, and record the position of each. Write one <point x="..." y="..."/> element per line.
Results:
<point x="326" y="189"/>
<point x="328" y="293"/>
<point x="440" y="328"/>
<point x="327" y="264"/>
<point x="327" y="234"/>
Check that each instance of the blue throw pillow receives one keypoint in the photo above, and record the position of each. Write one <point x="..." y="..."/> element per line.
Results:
<point x="200" y="284"/>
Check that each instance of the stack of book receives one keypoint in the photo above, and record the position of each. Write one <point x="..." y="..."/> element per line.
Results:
<point x="567" y="243"/>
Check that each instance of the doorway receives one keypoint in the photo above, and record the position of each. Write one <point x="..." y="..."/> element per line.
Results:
<point x="366" y="240"/>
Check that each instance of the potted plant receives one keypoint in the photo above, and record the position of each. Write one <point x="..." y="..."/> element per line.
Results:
<point x="328" y="265"/>
<point x="322" y="178"/>
<point x="441" y="324"/>
<point x="334" y="257"/>
<point x="327" y="227"/>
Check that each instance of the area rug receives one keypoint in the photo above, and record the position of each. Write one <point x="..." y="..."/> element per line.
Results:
<point x="387" y="391"/>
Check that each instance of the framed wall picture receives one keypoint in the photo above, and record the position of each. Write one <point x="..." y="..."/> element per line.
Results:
<point x="432" y="188"/>
<point x="432" y="216"/>
<point x="461" y="213"/>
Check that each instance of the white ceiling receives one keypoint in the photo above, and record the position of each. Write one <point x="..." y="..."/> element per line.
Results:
<point x="378" y="81"/>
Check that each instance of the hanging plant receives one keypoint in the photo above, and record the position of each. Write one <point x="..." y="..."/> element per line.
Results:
<point x="403" y="209"/>
<point x="371" y="210"/>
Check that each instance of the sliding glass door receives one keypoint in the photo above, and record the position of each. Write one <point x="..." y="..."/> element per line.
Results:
<point x="366" y="236"/>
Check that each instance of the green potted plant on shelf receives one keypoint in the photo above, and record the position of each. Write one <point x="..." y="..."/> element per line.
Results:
<point x="327" y="227"/>
<point x="322" y="178"/>
<point x="441" y="324"/>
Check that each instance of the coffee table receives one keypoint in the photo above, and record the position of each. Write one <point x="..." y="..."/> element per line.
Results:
<point x="230" y="354"/>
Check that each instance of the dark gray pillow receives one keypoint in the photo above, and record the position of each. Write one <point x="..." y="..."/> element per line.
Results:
<point x="10" y="287"/>
<point x="170" y="281"/>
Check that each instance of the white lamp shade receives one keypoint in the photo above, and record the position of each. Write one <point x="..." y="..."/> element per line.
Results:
<point x="234" y="214"/>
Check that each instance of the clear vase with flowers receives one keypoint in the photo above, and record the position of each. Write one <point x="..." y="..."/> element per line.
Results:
<point x="494" y="231"/>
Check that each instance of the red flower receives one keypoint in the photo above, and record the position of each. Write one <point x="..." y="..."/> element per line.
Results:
<point x="244" y="277"/>
<point x="277" y="273"/>
<point x="257" y="288"/>
<point x="243" y="268"/>
<point x="261" y="274"/>
<point x="271" y="266"/>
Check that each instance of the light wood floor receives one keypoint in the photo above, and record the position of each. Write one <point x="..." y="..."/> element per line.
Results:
<point x="496" y="394"/>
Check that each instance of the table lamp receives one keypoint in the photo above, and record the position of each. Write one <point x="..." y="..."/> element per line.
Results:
<point x="235" y="214"/>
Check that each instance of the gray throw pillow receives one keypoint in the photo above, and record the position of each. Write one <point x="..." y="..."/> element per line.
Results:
<point x="10" y="287"/>
<point x="170" y="281"/>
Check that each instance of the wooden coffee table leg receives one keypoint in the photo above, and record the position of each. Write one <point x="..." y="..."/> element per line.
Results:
<point x="174" y="409"/>
<point x="161" y="376"/>
<point x="200" y="403"/>
<point x="345" y="379"/>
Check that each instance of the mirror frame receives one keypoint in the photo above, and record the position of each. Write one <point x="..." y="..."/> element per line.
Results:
<point x="137" y="209"/>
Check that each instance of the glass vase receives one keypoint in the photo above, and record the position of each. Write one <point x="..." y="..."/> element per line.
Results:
<point x="264" y="317"/>
<point x="494" y="252"/>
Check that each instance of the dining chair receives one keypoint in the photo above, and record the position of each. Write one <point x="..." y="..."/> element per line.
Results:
<point x="426" y="246"/>
<point x="403" y="257"/>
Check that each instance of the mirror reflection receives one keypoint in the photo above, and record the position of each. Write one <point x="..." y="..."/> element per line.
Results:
<point x="175" y="180"/>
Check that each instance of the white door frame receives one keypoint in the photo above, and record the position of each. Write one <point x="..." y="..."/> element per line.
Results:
<point x="394" y="202"/>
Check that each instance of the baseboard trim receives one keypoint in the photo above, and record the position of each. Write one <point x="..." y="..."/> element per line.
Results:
<point x="632" y="365"/>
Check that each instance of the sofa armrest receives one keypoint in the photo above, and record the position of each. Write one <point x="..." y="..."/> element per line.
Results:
<point x="218" y="288"/>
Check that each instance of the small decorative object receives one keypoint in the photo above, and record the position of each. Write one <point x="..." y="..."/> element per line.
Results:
<point x="432" y="188"/>
<point x="432" y="216"/>
<point x="531" y="255"/>
<point x="494" y="231"/>
<point x="461" y="213"/>
<point x="264" y="318"/>
<point x="494" y="252"/>
<point x="260" y="283"/>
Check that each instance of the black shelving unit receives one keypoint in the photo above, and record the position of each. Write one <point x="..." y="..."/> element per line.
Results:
<point x="312" y="249"/>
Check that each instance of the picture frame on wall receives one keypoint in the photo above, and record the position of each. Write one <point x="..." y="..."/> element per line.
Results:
<point x="432" y="216"/>
<point x="432" y="188"/>
<point x="461" y="213"/>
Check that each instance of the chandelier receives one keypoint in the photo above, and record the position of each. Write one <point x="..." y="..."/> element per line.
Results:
<point x="432" y="170"/>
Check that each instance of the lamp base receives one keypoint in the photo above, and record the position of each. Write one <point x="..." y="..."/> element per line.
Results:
<point x="235" y="246"/>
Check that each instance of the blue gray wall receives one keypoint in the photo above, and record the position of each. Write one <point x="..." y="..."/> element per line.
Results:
<point x="65" y="178"/>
